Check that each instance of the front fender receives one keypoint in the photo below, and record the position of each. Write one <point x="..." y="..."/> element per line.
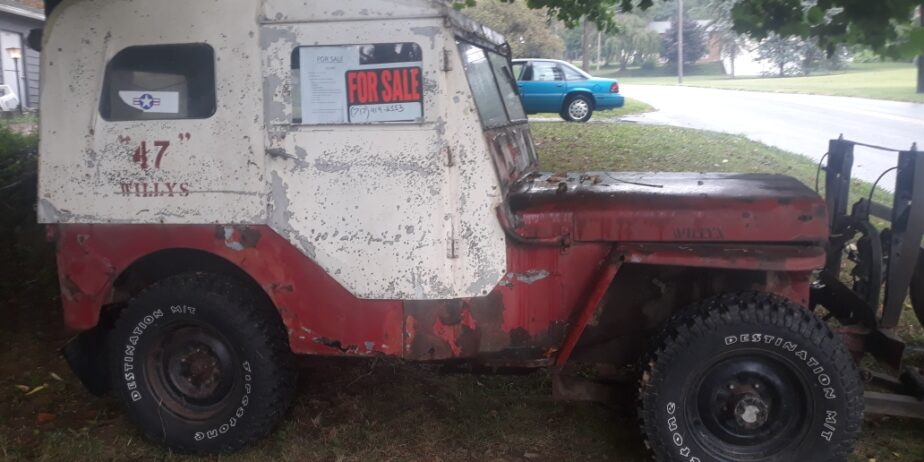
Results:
<point x="768" y="257"/>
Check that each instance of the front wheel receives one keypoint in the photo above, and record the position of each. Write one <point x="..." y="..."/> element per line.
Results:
<point x="750" y="377"/>
<point x="201" y="364"/>
<point x="578" y="108"/>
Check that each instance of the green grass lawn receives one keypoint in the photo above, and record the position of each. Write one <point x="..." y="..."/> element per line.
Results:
<point x="365" y="410"/>
<point x="889" y="81"/>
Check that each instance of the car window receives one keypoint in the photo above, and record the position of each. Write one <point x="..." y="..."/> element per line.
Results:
<point x="546" y="71"/>
<point x="518" y="70"/>
<point x="572" y="74"/>
<point x="160" y="82"/>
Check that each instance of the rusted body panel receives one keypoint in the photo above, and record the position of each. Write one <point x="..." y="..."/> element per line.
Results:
<point x="321" y="316"/>
<point x="534" y="316"/>
<point x="526" y="317"/>
<point x="668" y="207"/>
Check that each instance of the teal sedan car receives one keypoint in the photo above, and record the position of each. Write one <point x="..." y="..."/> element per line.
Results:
<point x="552" y="86"/>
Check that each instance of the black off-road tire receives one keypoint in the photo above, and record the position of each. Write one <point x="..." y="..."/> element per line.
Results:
<point x="201" y="364"/>
<point x="586" y="101"/>
<point x="810" y="407"/>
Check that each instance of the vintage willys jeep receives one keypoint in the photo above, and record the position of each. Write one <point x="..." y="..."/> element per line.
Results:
<point x="229" y="182"/>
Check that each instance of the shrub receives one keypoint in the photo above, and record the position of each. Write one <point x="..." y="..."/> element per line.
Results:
<point x="26" y="260"/>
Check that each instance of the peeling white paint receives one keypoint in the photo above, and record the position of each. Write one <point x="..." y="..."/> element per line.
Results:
<point x="384" y="191"/>
<point x="376" y="206"/>
<point x="85" y="160"/>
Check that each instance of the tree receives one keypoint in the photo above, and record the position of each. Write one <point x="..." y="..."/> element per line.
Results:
<point x="694" y="42"/>
<point x="573" y="38"/>
<point x="921" y="56"/>
<point x="723" y="29"/>
<point x="885" y="26"/>
<point x="632" y="42"/>
<point x="586" y="45"/>
<point x="782" y="52"/>
<point x="529" y="32"/>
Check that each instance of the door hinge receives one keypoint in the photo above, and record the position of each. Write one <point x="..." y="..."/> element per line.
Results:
<point x="452" y="244"/>
<point x="447" y="60"/>
<point x="447" y="156"/>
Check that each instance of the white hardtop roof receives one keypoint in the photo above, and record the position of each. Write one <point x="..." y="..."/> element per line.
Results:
<point x="20" y="10"/>
<point x="296" y="11"/>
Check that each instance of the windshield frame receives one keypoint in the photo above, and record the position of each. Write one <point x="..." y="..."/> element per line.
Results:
<point x="504" y="74"/>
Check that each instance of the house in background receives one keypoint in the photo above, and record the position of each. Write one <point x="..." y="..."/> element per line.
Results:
<point x="17" y="18"/>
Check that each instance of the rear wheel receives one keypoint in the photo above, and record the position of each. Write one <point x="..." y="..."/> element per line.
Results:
<point x="577" y="108"/>
<point x="201" y="364"/>
<point x="750" y="377"/>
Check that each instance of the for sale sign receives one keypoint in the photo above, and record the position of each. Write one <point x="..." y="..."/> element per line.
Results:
<point x="359" y="84"/>
<point x="381" y="95"/>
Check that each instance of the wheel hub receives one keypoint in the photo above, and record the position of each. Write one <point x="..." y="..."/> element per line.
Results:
<point x="193" y="371"/>
<point x="753" y="403"/>
<point x="751" y="412"/>
<point x="578" y="109"/>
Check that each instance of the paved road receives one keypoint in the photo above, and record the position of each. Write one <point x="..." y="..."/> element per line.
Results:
<point x="797" y="123"/>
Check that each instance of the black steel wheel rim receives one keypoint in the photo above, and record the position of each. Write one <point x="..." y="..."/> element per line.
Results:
<point x="750" y="404"/>
<point x="192" y="370"/>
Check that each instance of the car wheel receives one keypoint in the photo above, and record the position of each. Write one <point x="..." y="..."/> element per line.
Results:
<point x="578" y="108"/>
<point x="750" y="377"/>
<point x="201" y="365"/>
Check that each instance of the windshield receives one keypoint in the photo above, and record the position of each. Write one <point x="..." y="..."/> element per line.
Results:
<point x="493" y="86"/>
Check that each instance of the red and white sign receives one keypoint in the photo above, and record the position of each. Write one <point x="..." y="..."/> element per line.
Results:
<point x="357" y="84"/>
<point x="378" y="95"/>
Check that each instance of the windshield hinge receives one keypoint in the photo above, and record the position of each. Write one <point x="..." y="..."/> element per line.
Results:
<point x="447" y="60"/>
<point x="452" y="244"/>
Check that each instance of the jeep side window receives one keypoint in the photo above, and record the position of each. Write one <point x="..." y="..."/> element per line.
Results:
<point x="160" y="82"/>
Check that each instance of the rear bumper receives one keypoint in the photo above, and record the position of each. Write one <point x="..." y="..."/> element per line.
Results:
<point x="609" y="101"/>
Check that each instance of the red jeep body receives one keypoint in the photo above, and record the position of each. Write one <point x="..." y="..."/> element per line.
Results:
<point x="569" y="236"/>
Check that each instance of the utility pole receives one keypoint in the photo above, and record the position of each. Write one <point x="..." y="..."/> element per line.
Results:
<point x="921" y="56"/>
<point x="599" y="42"/>
<point x="680" y="42"/>
<point x="585" y="45"/>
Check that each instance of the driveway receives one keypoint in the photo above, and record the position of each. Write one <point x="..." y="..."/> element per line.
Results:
<point x="798" y="123"/>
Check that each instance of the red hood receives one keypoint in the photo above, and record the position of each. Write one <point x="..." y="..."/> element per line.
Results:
<point x="661" y="207"/>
